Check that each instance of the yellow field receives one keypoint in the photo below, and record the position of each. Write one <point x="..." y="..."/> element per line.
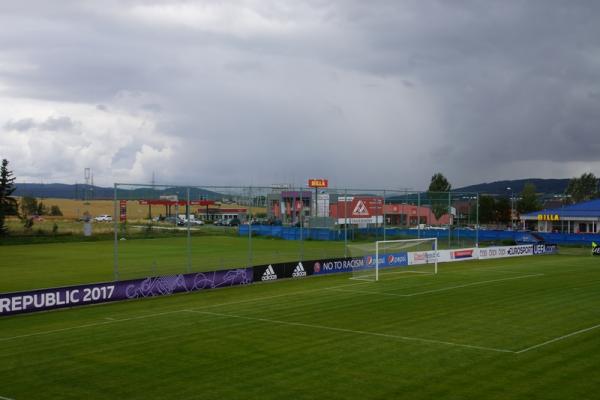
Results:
<point x="74" y="209"/>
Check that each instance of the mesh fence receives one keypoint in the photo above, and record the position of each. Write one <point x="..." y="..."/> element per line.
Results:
<point x="202" y="228"/>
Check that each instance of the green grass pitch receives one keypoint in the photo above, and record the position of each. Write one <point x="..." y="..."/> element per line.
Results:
<point x="521" y="328"/>
<point x="59" y="264"/>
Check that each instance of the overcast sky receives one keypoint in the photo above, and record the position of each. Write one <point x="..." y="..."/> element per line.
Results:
<point x="364" y="93"/>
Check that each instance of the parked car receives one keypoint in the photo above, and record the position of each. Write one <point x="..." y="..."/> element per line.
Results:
<point x="233" y="222"/>
<point x="103" y="218"/>
<point x="221" y="222"/>
<point x="192" y="221"/>
<point x="171" y="220"/>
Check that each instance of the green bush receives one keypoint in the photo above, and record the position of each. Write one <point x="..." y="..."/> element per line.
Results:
<point x="55" y="211"/>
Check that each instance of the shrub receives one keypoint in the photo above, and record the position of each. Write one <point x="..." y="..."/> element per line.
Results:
<point x="55" y="211"/>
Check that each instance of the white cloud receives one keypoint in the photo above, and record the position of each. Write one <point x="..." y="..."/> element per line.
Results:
<point x="380" y="93"/>
<point x="235" y="18"/>
<point x="60" y="139"/>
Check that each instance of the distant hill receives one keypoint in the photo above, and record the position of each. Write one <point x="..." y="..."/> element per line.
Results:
<point x="545" y="186"/>
<point x="79" y="191"/>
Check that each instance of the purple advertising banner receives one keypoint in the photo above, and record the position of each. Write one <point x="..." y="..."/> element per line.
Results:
<point x="72" y="296"/>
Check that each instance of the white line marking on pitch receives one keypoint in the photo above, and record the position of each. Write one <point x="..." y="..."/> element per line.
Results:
<point x="419" y="275"/>
<point x="303" y="292"/>
<point x="88" y="325"/>
<point x="473" y="284"/>
<point x="5" y="398"/>
<point x="356" y="332"/>
<point x="435" y="290"/>
<point x="557" y="339"/>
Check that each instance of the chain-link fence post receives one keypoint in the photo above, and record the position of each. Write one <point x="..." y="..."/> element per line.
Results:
<point x="116" y="236"/>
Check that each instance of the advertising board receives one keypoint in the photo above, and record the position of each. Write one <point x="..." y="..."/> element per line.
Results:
<point x="335" y="265"/>
<point x="506" y="251"/>
<point x="122" y="210"/>
<point x="539" y="249"/>
<point x="318" y="183"/>
<point x="72" y="296"/>
<point x="424" y="257"/>
<point x="387" y="260"/>
<point x="273" y="272"/>
<point x="463" y="254"/>
<point x="427" y="257"/>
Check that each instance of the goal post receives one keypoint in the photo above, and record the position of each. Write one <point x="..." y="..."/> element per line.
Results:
<point x="392" y="257"/>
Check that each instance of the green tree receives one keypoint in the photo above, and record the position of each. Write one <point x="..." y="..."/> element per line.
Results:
<point x="29" y="205"/>
<point x="41" y="209"/>
<point x="503" y="210"/>
<point x="486" y="209"/>
<point x="438" y="193"/>
<point x="8" y="204"/>
<point x="55" y="211"/>
<point x="583" y="188"/>
<point x="529" y="201"/>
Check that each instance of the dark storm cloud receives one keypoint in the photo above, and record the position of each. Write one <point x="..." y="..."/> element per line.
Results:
<point x="21" y="125"/>
<point x="366" y="93"/>
<point x="50" y="124"/>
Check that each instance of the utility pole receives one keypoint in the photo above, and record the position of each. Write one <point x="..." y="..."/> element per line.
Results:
<point x="512" y="208"/>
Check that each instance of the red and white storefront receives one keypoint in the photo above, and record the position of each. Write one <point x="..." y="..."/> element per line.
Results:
<point x="369" y="210"/>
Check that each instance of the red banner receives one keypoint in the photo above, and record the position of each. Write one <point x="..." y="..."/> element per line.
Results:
<point x="122" y="210"/>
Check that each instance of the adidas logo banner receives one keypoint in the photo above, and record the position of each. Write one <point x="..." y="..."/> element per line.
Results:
<point x="278" y="271"/>
<point x="269" y="274"/>
<point x="299" y="271"/>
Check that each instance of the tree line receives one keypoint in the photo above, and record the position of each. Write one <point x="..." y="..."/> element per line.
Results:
<point x="498" y="210"/>
<point x="491" y="209"/>
<point x="9" y="206"/>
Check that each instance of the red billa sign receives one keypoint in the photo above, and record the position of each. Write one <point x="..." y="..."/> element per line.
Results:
<point x="122" y="210"/>
<point x="318" y="183"/>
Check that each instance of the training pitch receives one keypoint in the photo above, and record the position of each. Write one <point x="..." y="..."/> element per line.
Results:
<point x="525" y="327"/>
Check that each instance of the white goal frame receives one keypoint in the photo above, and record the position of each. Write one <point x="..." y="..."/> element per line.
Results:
<point x="422" y="240"/>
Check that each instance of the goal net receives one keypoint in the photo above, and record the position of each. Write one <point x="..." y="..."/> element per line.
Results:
<point x="381" y="258"/>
